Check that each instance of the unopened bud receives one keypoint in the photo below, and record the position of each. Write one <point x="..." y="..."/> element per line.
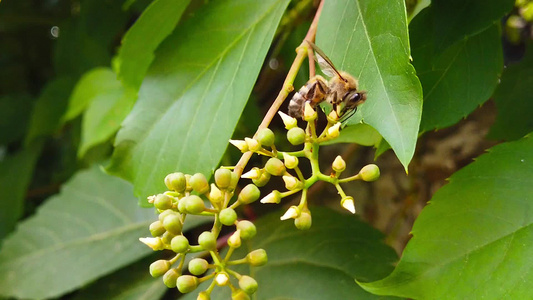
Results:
<point x="333" y="117"/>
<point x="291" y="183"/>
<point x="254" y="173"/>
<point x="157" y="229"/>
<point x="240" y="144"/>
<point x="247" y="229"/>
<point x="215" y="195"/>
<point x="249" y="194"/>
<point x="163" y="202"/>
<point x="291" y="161"/>
<point x="228" y="216"/>
<point x="223" y="178"/>
<point x="292" y="213"/>
<point x="176" y="182"/>
<point x="170" y="277"/>
<point x="222" y="279"/>
<point x="248" y="284"/>
<point x="369" y="172"/>
<point x="172" y="223"/>
<point x="289" y="121"/>
<point x="199" y="183"/>
<point x="309" y="112"/>
<point x="159" y="267"/>
<point x="194" y="204"/>
<point x="304" y="221"/>
<point x="257" y="258"/>
<point x="266" y="137"/>
<point x="262" y="180"/>
<point x="234" y="240"/>
<point x="188" y="186"/>
<point x="275" y="167"/>
<point x="179" y="244"/>
<point x="198" y="266"/>
<point x="338" y="164"/>
<point x="334" y="130"/>
<point x="253" y="145"/>
<point x="296" y="136"/>
<point x="187" y="283"/>
<point x="239" y="294"/>
<point x="153" y="242"/>
<point x="348" y="204"/>
<point x="273" y="197"/>
<point x="203" y="296"/>
<point x="207" y="240"/>
<point x="234" y="180"/>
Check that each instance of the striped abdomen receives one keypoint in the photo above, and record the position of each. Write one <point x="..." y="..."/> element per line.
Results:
<point x="314" y="92"/>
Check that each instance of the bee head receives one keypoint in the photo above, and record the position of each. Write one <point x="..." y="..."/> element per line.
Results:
<point x="350" y="101"/>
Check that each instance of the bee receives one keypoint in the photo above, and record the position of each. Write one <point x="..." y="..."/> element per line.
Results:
<point x="340" y="91"/>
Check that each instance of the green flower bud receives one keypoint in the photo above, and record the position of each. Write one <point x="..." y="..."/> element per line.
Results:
<point x="292" y="183"/>
<point x="262" y="180"/>
<point x="156" y="228"/>
<point x="266" y="137"/>
<point x="527" y="11"/>
<point x="159" y="267"/>
<point x="239" y="295"/>
<point x="203" y="296"/>
<point x="194" y="204"/>
<point x="234" y="240"/>
<point x="199" y="183"/>
<point x="248" y="284"/>
<point x="291" y="162"/>
<point x="273" y="197"/>
<point x="254" y="173"/>
<point x="207" y="240"/>
<point x="240" y="144"/>
<point x="172" y="223"/>
<point x="198" y="266"/>
<point x="253" y="145"/>
<point x="215" y="195"/>
<point x="369" y="172"/>
<point x="182" y="205"/>
<point x="249" y="194"/>
<point x="247" y="229"/>
<point x="176" y="182"/>
<point x="257" y="258"/>
<point x="223" y="178"/>
<point x="170" y="277"/>
<point x="292" y="213"/>
<point x="179" y="244"/>
<point x="188" y="186"/>
<point x="348" y="204"/>
<point x="275" y="167"/>
<point x="167" y="237"/>
<point x="187" y="283"/>
<point x="309" y="113"/>
<point x="338" y="164"/>
<point x="296" y="136"/>
<point x="234" y="181"/>
<point x="514" y="28"/>
<point x="289" y="121"/>
<point x="165" y="213"/>
<point x="222" y="279"/>
<point x="334" y="131"/>
<point x="154" y="243"/>
<point x="304" y="221"/>
<point x="163" y="202"/>
<point x="228" y="216"/>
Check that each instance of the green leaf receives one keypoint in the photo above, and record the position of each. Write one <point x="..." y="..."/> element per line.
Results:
<point x="51" y="105"/>
<point x="15" y="175"/>
<point x="89" y="230"/>
<point x="459" y="19"/>
<point x="194" y="93"/>
<point x="106" y="104"/>
<point x="514" y="100"/>
<point x="475" y="238"/>
<point x="141" y="40"/>
<point x="14" y="117"/>
<point x="458" y="79"/>
<point x="319" y="263"/>
<point x="368" y="38"/>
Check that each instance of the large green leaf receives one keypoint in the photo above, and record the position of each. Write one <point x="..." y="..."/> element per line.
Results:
<point x="15" y="175"/>
<point x="90" y="229"/>
<point x="320" y="263"/>
<point x="475" y="238"/>
<point x="369" y="39"/>
<point x="194" y="92"/>
<point x="459" y="19"/>
<point x="457" y="79"/>
<point x="141" y="40"/>
<point x="514" y="100"/>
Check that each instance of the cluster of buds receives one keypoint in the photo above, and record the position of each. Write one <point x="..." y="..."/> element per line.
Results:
<point x="193" y="195"/>
<point x="285" y="164"/>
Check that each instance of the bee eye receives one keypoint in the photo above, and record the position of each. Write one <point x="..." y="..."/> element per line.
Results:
<point x="355" y="97"/>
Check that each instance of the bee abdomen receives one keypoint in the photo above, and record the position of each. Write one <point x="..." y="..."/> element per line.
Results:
<point x="296" y="105"/>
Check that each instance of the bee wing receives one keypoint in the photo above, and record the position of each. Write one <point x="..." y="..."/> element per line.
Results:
<point x="324" y="62"/>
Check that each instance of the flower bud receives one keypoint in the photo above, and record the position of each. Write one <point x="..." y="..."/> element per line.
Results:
<point x="154" y="243"/>
<point x="247" y="229"/>
<point x="291" y="161"/>
<point x="194" y="204"/>
<point x="198" y="266"/>
<point x="296" y="136"/>
<point x="248" y="284"/>
<point x="167" y="237"/>
<point x="165" y="213"/>
<point x="179" y="244"/>
<point x="348" y="204"/>
<point x="289" y="121"/>
<point x="188" y="186"/>
<point x="249" y="194"/>
<point x="238" y="294"/>
<point x="304" y="221"/>
<point x="199" y="183"/>
<point x="275" y="167"/>
<point x="334" y="130"/>
<point x="273" y="197"/>
<point x="254" y="173"/>
<point x="222" y="279"/>
<point x="151" y="199"/>
<point x="262" y="180"/>
<point x="159" y="267"/>
<point x="170" y="277"/>
<point x="187" y="283"/>
<point x="162" y="202"/>
<point x="292" y="213"/>
<point x="257" y="258"/>
<point x="172" y="223"/>
<point x="207" y="240"/>
<point x="223" y="178"/>
<point x="234" y="181"/>
<point x="228" y="216"/>
<point x="266" y="137"/>
<point x="292" y="183"/>
<point x="240" y="144"/>
<point x="333" y="117"/>
<point x="369" y="172"/>
<point x="253" y="145"/>
<point x="176" y="182"/>
<point x="181" y="205"/>
<point x="203" y="296"/>
<point x="157" y="229"/>
<point x="309" y="112"/>
<point x="234" y="240"/>
<point x="215" y="195"/>
<point x="338" y="164"/>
